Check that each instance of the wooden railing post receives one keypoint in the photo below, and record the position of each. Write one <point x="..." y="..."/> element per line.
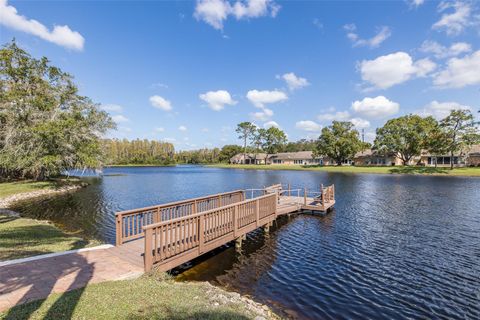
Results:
<point x="289" y="190"/>
<point x="277" y="200"/>
<point x="201" y="231"/>
<point x="333" y="192"/>
<point x="305" y="196"/>
<point x="257" y="212"/>
<point x="194" y="207"/>
<point x="147" y="258"/>
<point x="118" y="230"/>
<point x="235" y="220"/>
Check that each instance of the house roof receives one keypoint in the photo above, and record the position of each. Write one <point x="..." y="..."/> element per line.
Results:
<point x="301" y="155"/>
<point x="371" y="153"/>
<point x="239" y="156"/>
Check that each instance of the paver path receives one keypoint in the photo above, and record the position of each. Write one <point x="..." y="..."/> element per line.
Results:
<point x="32" y="280"/>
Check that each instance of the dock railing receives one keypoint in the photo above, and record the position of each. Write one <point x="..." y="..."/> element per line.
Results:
<point x="173" y="242"/>
<point x="130" y="223"/>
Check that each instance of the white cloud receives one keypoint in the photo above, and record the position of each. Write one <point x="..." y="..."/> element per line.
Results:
<point x="441" y="52"/>
<point x="160" y="103"/>
<point x="205" y="130"/>
<point x="308" y="125"/>
<point x="317" y="23"/>
<point x="254" y="8"/>
<point x="377" y="107"/>
<point x="160" y="129"/>
<point x="217" y="99"/>
<point x="270" y="124"/>
<point x="337" y="116"/>
<point x="458" y="17"/>
<point x="460" y="72"/>
<point x="415" y="3"/>
<point x="263" y="115"/>
<point x="111" y="108"/>
<point x="215" y="12"/>
<point x="294" y="82"/>
<point x="343" y="116"/>
<point x="261" y="98"/>
<point x="60" y="35"/>
<point x="360" y="123"/>
<point x="440" y="110"/>
<point x="383" y="34"/>
<point x="120" y="118"/>
<point x="182" y="128"/>
<point x="389" y="70"/>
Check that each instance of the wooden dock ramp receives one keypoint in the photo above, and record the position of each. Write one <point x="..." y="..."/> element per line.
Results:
<point x="168" y="235"/>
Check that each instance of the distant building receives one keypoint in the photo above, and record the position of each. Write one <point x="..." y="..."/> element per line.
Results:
<point x="366" y="157"/>
<point x="250" y="158"/>
<point x="285" y="158"/>
<point x="468" y="158"/>
<point x="370" y="157"/>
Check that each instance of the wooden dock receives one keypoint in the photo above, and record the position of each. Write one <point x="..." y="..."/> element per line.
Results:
<point x="168" y="235"/>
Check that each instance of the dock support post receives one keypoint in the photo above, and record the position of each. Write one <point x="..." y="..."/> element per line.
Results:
<point x="266" y="228"/>
<point x="238" y="243"/>
<point x="289" y="190"/>
<point x="305" y="196"/>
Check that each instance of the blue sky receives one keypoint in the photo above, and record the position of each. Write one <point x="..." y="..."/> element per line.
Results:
<point x="189" y="71"/>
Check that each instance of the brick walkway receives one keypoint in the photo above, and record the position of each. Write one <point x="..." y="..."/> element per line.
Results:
<point x="28" y="281"/>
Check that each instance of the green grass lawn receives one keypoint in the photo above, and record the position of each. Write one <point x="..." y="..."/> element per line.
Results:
<point x="354" y="169"/>
<point x="20" y="238"/>
<point x="144" y="298"/>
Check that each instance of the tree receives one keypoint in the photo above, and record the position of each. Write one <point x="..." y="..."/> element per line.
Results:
<point x="228" y="151"/>
<point x="46" y="127"/>
<point x="339" y="141"/>
<point x="404" y="136"/>
<point x="245" y="131"/>
<point x="273" y="140"/>
<point x="258" y="140"/>
<point x="437" y="142"/>
<point x="461" y="131"/>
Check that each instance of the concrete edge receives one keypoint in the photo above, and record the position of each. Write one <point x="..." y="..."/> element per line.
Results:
<point x="54" y="254"/>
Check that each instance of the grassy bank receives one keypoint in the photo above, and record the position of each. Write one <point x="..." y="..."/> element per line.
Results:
<point x="143" y="298"/>
<point x="474" y="172"/>
<point x="23" y="186"/>
<point x="20" y="238"/>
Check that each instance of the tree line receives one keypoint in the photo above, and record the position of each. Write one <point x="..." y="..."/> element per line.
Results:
<point x="118" y="152"/>
<point x="404" y="137"/>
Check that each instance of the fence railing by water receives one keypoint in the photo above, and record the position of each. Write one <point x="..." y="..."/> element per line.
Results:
<point x="173" y="242"/>
<point x="130" y="223"/>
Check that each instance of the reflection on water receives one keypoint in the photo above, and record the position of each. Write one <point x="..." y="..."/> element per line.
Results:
<point x="395" y="247"/>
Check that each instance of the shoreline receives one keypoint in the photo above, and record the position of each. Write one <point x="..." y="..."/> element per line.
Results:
<point x="8" y="201"/>
<point x="390" y="170"/>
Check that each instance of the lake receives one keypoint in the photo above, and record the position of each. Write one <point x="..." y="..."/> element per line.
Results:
<point x="395" y="247"/>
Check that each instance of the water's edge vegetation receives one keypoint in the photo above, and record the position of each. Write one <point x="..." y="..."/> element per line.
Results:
<point x="465" y="171"/>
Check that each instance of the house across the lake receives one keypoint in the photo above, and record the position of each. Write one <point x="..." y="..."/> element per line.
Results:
<point x="368" y="157"/>
<point x="468" y="158"/>
<point x="285" y="158"/>
<point x="248" y="158"/>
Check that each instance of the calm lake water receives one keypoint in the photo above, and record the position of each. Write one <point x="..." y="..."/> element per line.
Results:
<point x="395" y="247"/>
